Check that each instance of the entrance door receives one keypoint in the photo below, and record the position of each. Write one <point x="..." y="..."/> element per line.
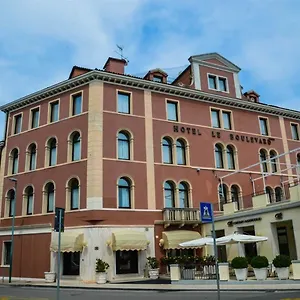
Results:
<point x="283" y="241"/>
<point x="127" y="262"/>
<point x="250" y="248"/>
<point x="71" y="263"/>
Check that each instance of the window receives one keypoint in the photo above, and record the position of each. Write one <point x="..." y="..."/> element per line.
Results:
<point x="167" y="151"/>
<point x="278" y="194"/>
<point x="183" y="195"/>
<point x="298" y="159"/>
<point x="212" y="80"/>
<point x="6" y="253"/>
<point x="18" y="124"/>
<point x="235" y="195"/>
<point x="157" y="78"/>
<point x="273" y="161"/>
<point x="124" y="191"/>
<point x="76" y="145"/>
<point x="230" y="157"/>
<point x="219" y="156"/>
<point x="295" y="132"/>
<point x="11" y="202"/>
<point x="226" y="120"/>
<point x="263" y="157"/>
<point x="169" y="191"/>
<point x="222" y="84"/>
<point x="52" y="152"/>
<point x="15" y="161"/>
<point x="180" y="152"/>
<point x="123" y="103"/>
<point x="223" y="195"/>
<point x="172" y="111"/>
<point x="215" y="117"/>
<point x="54" y="111"/>
<point x="32" y="157"/>
<point x="263" y="122"/>
<point x="29" y="200"/>
<point x="35" y="117"/>
<point x="74" y="194"/>
<point x="50" y="197"/>
<point x="269" y="192"/>
<point x="76" y="104"/>
<point x="123" y="145"/>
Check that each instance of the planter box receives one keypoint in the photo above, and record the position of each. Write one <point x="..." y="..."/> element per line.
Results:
<point x="224" y="271"/>
<point x="283" y="273"/>
<point x="241" y="274"/>
<point x="101" y="278"/>
<point x="153" y="273"/>
<point x="261" y="274"/>
<point x="50" y="276"/>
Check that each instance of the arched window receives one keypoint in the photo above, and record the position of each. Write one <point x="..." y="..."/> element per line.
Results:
<point x="230" y="157"/>
<point x="52" y="152"/>
<point x="169" y="191"/>
<point x="50" y="197"/>
<point x="298" y="159"/>
<point x="183" y="195"/>
<point x="278" y="194"/>
<point x="74" y="193"/>
<point x="124" y="192"/>
<point x="219" y="156"/>
<point x="14" y="161"/>
<point x="263" y="157"/>
<point x="273" y="160"/>
<point x="76" y="141"/>
<point x="11" y="202"/>
<point x="180" y="152"/>
<point x="29" y="200"/>
<point x="269" y="192"/>
<point x="32" y="157"/>
<point x="123" y="145"/>
<point x="167" y="151"/>
<point x="223" y="195"/>
<point x="235" y="195"/>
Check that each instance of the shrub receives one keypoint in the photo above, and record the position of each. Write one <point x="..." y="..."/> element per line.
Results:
<point x="152" y="262"/>
<point x="259" y="262"/>
<point x="282" y="261"/>
<point x="101" y="266"/>
<point x="239" y="262"/>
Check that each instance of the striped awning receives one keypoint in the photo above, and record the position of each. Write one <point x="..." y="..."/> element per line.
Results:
<point x="172" y="239"/>
<point x="70" y="242"/>
<point x="126" y="240"/>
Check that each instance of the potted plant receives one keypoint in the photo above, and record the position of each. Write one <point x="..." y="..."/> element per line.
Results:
<point x="259" y="265"/>
<point x="101" y="268"/>
<point x="282" y="264"/>
<point x="50" y="276"/>
<point x="153" y="267"/>
<point x="240" y="266"/>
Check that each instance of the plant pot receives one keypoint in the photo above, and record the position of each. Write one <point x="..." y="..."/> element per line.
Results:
<point x="241" y="274"/>
<point x="50" y="276"/>
<point x="153" y="273"/>
<point x="261" y="274"/>
<point x="283" y="273"/>
<point x="101" y="277"/>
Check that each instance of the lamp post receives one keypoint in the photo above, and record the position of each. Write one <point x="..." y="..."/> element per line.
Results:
<point x="12" y="229"/>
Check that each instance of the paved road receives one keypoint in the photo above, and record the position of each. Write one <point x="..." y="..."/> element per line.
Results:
<point x="23" y="293"/>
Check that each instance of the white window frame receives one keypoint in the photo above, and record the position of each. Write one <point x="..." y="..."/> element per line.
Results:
<point x="217" y="83"/>
<point x="297" y="129"/>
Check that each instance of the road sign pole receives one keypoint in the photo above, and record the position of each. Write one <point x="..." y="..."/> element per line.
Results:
<point x="216" y="253"/>
<point x="58" y="253"/>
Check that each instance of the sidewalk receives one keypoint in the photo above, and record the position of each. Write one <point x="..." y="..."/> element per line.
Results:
<point x="204" y="285"/>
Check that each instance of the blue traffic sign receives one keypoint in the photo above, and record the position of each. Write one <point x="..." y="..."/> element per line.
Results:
<point x="206" y="212"/>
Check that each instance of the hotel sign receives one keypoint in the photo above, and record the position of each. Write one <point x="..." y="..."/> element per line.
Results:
<point x="186" y="129"/>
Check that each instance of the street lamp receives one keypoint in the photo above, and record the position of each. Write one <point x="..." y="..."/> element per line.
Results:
<point x="12" y="229"/>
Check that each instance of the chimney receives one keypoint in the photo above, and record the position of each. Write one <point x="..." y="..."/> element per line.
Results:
<point x="115" y="65"/>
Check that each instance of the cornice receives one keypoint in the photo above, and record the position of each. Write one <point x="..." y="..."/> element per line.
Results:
<point x="140" y="83"/>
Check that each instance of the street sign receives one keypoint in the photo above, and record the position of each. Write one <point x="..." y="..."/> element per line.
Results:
<point x="206" y="212"/>
<point x="59" y="219"/>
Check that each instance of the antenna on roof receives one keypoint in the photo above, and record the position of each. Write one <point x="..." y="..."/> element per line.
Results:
<point x="120" y="52"/>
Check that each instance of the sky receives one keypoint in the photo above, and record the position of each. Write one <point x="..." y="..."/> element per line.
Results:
<point x="40" y="41"/>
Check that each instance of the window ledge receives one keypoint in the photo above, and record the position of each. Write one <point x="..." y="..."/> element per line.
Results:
<point x="279" y="202"/>
<point x="4" y="266"/>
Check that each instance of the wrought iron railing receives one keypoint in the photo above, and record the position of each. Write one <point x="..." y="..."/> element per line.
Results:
<point x="202" y="271"/>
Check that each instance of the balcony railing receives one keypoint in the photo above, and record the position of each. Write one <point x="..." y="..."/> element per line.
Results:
<point x="181" y="216"/>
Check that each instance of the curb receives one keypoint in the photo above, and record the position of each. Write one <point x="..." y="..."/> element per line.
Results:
<point x="122" y="288"/>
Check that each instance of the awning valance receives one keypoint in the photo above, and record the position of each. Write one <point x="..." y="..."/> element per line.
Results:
<point x="126" y="240"/>
<point x="172" y="239"/>
<point x="70" y="242"/>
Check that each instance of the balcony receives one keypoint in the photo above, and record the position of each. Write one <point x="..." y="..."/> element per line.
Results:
<point x="181" y="216"/>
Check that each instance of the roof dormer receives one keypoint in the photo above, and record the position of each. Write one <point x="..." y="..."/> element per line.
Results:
<point x="252" y="96"/>
<point x="157" y="75"/>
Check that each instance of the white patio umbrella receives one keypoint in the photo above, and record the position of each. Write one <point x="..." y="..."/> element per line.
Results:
<point x="198" y="243"/>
